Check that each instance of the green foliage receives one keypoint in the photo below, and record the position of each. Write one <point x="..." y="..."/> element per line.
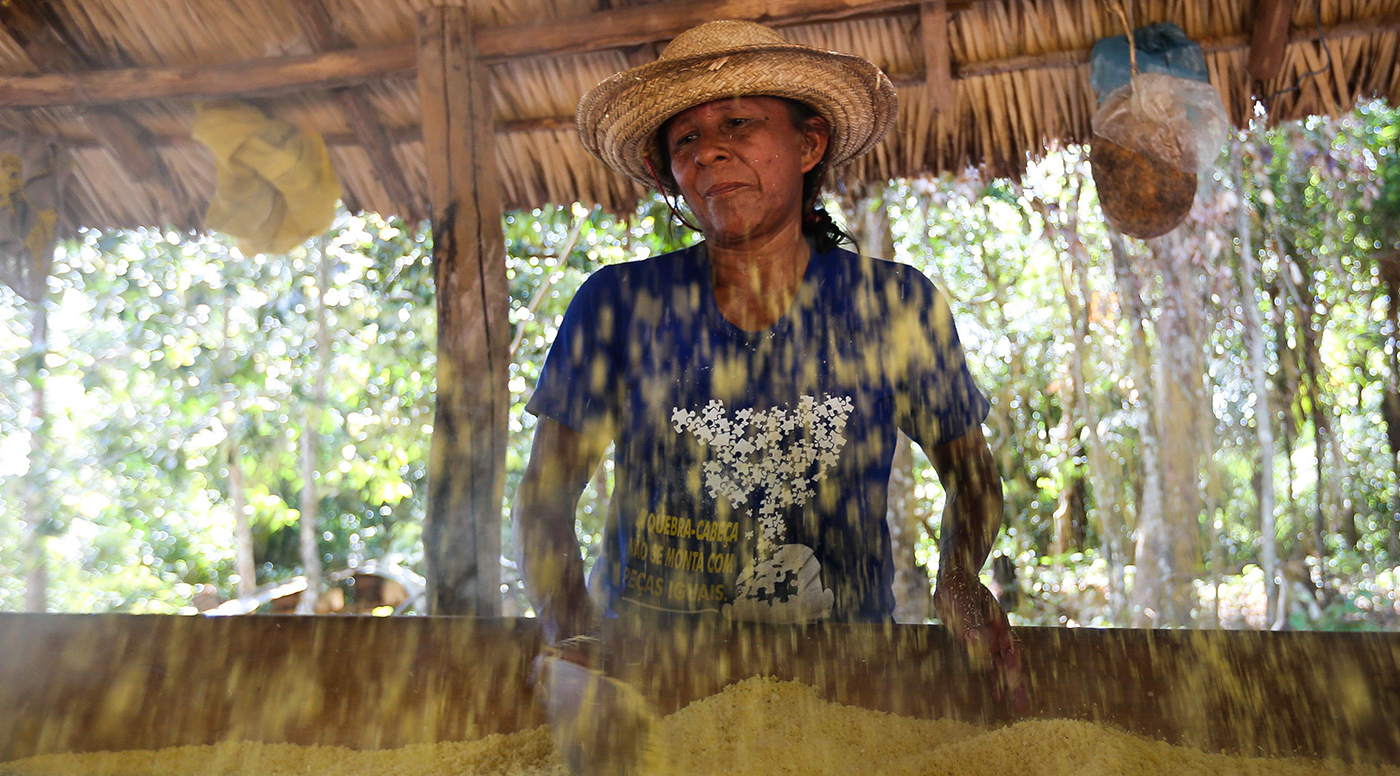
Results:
<point x="170" y="353"/>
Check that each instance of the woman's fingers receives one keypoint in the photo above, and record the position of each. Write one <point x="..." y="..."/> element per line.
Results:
<point x="1011" y="679"/>
<point x="991" y="648"/>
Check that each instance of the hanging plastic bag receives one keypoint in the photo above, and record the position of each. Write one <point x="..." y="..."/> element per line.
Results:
<point x="1179" y="122"/>
<point x="1168" y="111"/>
<point x="1159" y="124"/>
<point x="275" y="186"/>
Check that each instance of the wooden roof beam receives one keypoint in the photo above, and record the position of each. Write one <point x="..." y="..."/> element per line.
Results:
<point x="618" y="28"/>
<point x="320" y="31"/>
<point x="366" y="64"/>
<point x="1269" y="38"/>
<point x="1047" y="61"/>
<point x="41" y="34"/>
<point x="938" y="62"/>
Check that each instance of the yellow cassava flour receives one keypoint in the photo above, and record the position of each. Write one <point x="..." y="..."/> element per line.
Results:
<point x="758" y="727"/>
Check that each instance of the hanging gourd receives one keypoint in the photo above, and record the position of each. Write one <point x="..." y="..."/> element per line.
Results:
<point x="1158" y="126"/>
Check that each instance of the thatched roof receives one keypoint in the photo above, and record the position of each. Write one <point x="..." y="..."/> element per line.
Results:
<point x="1018" y="67"/>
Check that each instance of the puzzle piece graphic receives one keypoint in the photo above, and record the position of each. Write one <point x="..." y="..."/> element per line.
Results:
<point x="776" y="454"/>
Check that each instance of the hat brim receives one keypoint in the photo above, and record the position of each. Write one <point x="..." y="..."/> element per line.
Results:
<point x="618" y="119"/>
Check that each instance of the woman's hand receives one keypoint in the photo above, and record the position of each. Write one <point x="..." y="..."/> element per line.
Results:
<point x="972" y="613"/>
<point x="601" y="727"/>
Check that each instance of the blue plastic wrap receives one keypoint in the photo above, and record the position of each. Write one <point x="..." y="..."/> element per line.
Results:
<point x="1161" y="48"/>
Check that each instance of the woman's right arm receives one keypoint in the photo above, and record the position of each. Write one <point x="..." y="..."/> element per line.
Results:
<point x="561" y="462"/>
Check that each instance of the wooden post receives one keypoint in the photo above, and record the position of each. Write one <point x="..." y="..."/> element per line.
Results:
<point x="931" y="147"/>
<point x="466" y="469"/>
<point x="1269" y="38"/>
<point x="938" y="64"/>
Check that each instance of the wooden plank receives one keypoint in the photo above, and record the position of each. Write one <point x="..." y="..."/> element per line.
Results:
<point x="1239" y="692"/>
<point x="637" y="25"/>
<point x="92" y="682"/>
<point x="80" y="683"/>
<point x="42" y="36"/>
<point x="643" y="54"/>
<point x="466" y="467"/>
<point x="938" y="63"/>
<point x="359" y="112"/>
<point x="371" y="135"/>
<point x="267" y="76"/>
<point x="1269" y="38"/>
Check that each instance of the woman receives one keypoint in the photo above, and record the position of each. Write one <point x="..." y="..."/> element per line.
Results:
<point x="754" y="385"/>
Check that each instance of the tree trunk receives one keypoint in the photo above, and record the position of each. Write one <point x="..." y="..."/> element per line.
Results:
<point x="1215" y="527"/>
<point x="1149" y="511"/>
<point x="1288" y="381"/>
<point x="310" y="443"/>
<point x="310" y="530"/>
<point x="1062" y="542"/>
<point x="1102" y="473"/>
<point x="869" y="223"/>
<point x="1390" y="276"/>
<point x="243" y="563"/>
<point x="1263" y="408"/>
<point x="1328" y="502"/>
<point x="1168" y="551"/>
<point x="36" y="505"/>
<point x="913" y="599"/>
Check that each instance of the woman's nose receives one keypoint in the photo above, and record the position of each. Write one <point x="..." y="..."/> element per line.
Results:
<point x="713" y="147"/>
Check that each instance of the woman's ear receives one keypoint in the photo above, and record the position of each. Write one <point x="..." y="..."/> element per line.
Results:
<point x="816" y="136"/>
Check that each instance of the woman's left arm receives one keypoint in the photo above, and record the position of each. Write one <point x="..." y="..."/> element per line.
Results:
<point x="972" y="517"/>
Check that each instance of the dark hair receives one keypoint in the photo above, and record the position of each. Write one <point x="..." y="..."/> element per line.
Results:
<point x="817" y="224"/>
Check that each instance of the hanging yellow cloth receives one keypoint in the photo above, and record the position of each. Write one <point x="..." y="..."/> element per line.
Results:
<point x="276" y="186"/>
<point x="33" y="172"/>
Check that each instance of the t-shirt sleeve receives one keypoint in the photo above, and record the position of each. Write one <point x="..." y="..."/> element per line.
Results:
<point x="578" y="384"/>
<point x="936" y="397"/>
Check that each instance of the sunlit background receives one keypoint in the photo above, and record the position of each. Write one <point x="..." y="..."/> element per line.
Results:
<point x="188" y="389"/>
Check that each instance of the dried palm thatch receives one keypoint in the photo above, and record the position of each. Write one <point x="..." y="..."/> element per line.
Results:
<point x="1019" y="84"/>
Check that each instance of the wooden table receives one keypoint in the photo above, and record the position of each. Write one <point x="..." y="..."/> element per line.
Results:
<point x="92" y="682"/>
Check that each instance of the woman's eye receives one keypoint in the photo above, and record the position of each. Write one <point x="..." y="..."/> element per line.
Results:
<point x="738" y="122"/>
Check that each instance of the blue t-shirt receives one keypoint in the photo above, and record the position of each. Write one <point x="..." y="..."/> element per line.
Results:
<point x="752" y="468"/>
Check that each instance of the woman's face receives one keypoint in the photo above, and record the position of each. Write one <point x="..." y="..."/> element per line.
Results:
<point x="739" y="164"/>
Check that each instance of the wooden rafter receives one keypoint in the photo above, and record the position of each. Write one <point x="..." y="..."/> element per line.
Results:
<point x="1047" y="61"/>
<point x="938" y="63"/>
<point x="41" y="34"/>
<point x="359" y="112"/>
<point x="618" y="28"/>
<point x="1269" y="38"/>
<point x="641" y="55"/>
<point x="336" y="68"/>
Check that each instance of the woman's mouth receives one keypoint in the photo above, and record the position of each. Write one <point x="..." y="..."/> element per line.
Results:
<point x="722" y="188"/>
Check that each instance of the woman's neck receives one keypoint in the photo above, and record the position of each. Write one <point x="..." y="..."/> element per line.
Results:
<point x="755" y="282"/>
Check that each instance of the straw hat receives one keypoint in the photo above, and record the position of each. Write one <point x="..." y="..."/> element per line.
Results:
<point x="619" y="118"/>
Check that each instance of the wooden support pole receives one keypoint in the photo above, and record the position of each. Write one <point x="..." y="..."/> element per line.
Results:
<point x="1269" y="38"/>
<point x="466" y="468"/>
